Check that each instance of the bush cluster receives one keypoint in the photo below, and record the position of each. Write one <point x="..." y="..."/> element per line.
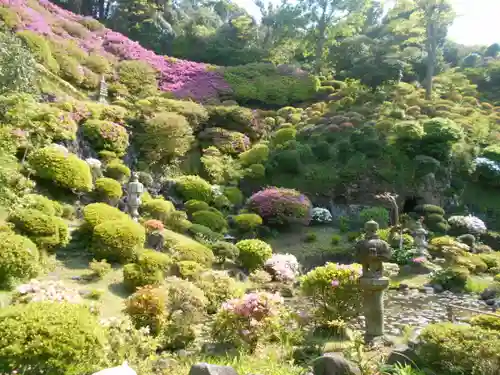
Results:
<point x="108" y="190"/>
<point x="150" y="268"/>
<point x="253" y="253"/>
<point x="117" y="170"/>
<point x="194" y="205"/>
<point x="247" y="222"/>
<point x="158" y="209"/>
<point x="213" y="220"/>
<point x="98" y="213"/>
<point x="42" y="204"/>
<point x="106" y="135"/>
<point x="194" y="188"/>
<point x="18" y="259"/>
<point x="218" y="288"/>
<point x="185" y="248"/>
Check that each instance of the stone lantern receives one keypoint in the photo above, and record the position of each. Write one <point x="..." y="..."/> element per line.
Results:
<point x="371" y="252"/>
<point x="420" y="240"/>
<point x="134" y="191"/>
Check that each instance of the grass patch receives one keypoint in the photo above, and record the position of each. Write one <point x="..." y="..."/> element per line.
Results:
<point x="413" y="281"/>
<point x="477" y="284"/>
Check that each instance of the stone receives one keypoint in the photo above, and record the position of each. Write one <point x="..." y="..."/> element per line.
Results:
<point x="208" y="369"/>
<point x="334" y="364"/>
<point x="403" y="355"/>
<point x="489" y="293"/>
<point x="134" y="191"/>
<point x="403" y="286"/>
<point x="438" y="288"/>
<point x="155" y="241"/>
<point x="124" y="369"/>
<point x="490" y="302"/>
<point x="164" y="363"/>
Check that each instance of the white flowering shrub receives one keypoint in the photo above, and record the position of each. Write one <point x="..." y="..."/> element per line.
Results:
<point x="467" y="225"/>
<point x="283" y="267"/>
<point x="321" y="215"/>
<point x="217" y="190"/>
<point x="54" y="291"/>
<point x="93" y="163"/>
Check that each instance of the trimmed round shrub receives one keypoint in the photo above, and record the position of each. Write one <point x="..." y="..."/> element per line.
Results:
<point x="225" y="251"/>
<point x="247" y="222"/>
<point x="253" y="254"/>
<point x="47" y="232"/>
<point x="18" y="259"/>
<point x="212" y="220"/>
<point x="107" y="190"/>
<point x="42" y="204"/>
<point x="218" y="287"/>
<point x="62" y="168"/>
<point x="51" y="338"/>
<point x="284" y="135"/>
<point x="185" y="248"/>
<point x="459" y="349"/>
<point x="280" y="206"/>
<point x="98" y="213"/>
<point x="106" y="135"/>
<point x="255" y="171"/>
<point x="158" y="209"/>
<point x="178" y="222"/>
<point x="146" y="179"/>
<point x="194" y="205"/>
<point x="189" y="270"/>
<point x="428" y="209"/>
<point x="40" y="49"/>
<point x="453" y="278"/>
<point x="164" y="137"/>
<point x="258" y="154"/>
<point x="226" y="141"/>
<point x="194" y="187"/>
<point x="117" y="240"/>
<point x="202" y="232"/>
<point x="138" y="77"/>
<point x="150" y="268"/>
<point x="234" y="195"/>
<point x="117" y="171"/>
<point x="486" y="322"/>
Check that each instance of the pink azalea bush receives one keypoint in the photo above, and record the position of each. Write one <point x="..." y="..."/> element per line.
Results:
<point x="334" y="290"/>
<point x="249" y="320"/>
<point x="185" y="79"/>
<point x="283" y="267"/>
<point x="280" y="206"/>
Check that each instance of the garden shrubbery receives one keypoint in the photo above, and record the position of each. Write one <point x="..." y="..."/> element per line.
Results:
<point x="214" y="221"/>
<point x="150" y="268"/>
<point x="158" y="209"/>
<point x="108" y="190"/>
<point x="98" y="213"/>
<point x="62" y="168"/>
<point x="194" y="205"/>
<point x="194" y="188"/>
<point x="106" y="135"/>
<point x="185" y="248"/>
<point x="218" y="288"/>
<point x="253" y="254"/>
<point x="18" y="259"/>
<point x="117" y="170"/>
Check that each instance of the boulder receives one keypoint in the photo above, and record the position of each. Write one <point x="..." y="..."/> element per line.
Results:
<point x="124" y="369"/>
<point x="155" y="241"/>
<point x="334" y="364"/>
<point x="208" y="369"/>
<point x="489" y="293"/>
<point x="403" y="355"/>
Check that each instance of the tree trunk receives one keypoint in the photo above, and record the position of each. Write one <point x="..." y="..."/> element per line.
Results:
<point x="431" y="59"/>
<point x="320" y="44"/>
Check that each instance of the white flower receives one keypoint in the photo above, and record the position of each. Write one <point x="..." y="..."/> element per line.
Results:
<point x="321" y="215"/>
<point x="93" y="163"/>
<point x="472" y="224"/>
<point x="284" y="267"/>
<point x="217" y="190"/>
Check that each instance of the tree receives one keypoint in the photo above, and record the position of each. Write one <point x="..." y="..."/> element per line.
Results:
<point x="17" y="66"/>
<point x="437" y="16"/>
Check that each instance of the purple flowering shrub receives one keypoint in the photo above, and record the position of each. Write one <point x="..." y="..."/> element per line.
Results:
<point x="280" y="206"/>
<point x="334" y="290"/>
<point x="247" y="321"/>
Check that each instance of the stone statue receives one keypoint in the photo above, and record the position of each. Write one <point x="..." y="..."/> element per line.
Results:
<point x="103" y="91"/>
<point x="134" y="192"/>
<point x="420" y="240"/>
<point x="371" y="252"/>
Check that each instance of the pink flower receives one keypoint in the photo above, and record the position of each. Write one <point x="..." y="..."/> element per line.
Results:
<point x="335" y="283"/>
<point x="419" y="260"/>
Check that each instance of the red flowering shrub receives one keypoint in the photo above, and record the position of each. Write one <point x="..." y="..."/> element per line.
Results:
<point x="280" y="206"/>
<point x="153" y="226"/>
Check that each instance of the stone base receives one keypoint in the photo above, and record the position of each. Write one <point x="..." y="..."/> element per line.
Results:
<point x="379" y="341"/>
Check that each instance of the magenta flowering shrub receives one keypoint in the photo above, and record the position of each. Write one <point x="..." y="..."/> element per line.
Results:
<point x="334" y="290"/>
<point x="247" y="321"/>
<point x="280" y="206"/>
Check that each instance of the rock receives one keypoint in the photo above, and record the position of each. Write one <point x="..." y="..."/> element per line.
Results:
<point x="404" y="286"/>
<point x="402" y="355"/>
<point x="217" y="349"/>
<point x="164" y="363"/>
<point x="489" y="293"/>
<point x="334" y="364"/>
<point x="490" y="302"/>
<point x="124" y="369"/>
<point x="155" y="241"/>
<point x="208" y="369"/>
<point x="438" y="288"/>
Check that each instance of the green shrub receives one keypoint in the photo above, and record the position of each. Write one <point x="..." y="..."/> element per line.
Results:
<point x="91" y="24"/>
<point x="117" y="240"/>
<point x="70" y="340"/>
<point x="99" y="269"/>
<point x="267" y="84"/>
<point x="255" y="171"/>
<point x="106" y="135"/>
<point x="40" y="49"/>
<point x="284" y="135"/>
<point x="486" y="322"/>
<point x="158" y="209"/>
<point x="165" y="136"/>
<point x="150" y="268"/>
<point x="194" y="205"/>
<point x="40" y="203"/>
<point x="335" y="290"/>
<point x="107" y="156"/>
<point x="491" y="239"/>
<point x="232" y="118"/>
<point x="228" y="142"/>
<point x="47" y="232"/>
<point x="203" y="233"/>
<point x="18" y="259"/>
<point x="68" y="212"/>
<point x="428" y="209"/>
<point x="138" y="77"/>
<point x="336" y="239"/>
<point x="212" y="220"/>
<point x="452" y="278"/>
<point x="194" y="187"/>
<point x="378" y="214"/>
<point x="185" y="248"/>
<point x="97" y="63"/>
<point x="311" y="237"/>
<point x="178" y="222"/>
<point x="458" y="349"/>
<point x="98" y="213"/>
<point x="234" y="195"/>
<point x="218" y="287"/>
<point x="108" y="190"/>
<point x="188" y="269"/>
<point x="247" y="222"/>
<point x="170" y="311"/>
<point x="69" y="68"/>
<point x="253" y="253"/>
<point x="9" y="17"/>
<point x="118" y="171"/>
<point x="258" y="154"/>
<point x="63" y="169"/>
<point x="225" y="251"/>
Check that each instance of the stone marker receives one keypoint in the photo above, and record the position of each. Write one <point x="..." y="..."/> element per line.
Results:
<point x="371" y="252"/>
<point x="208" y="369"/>
<point x="134" y="192"/>
<point x="334" y="364"/>
<point x="123" y="369"/>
